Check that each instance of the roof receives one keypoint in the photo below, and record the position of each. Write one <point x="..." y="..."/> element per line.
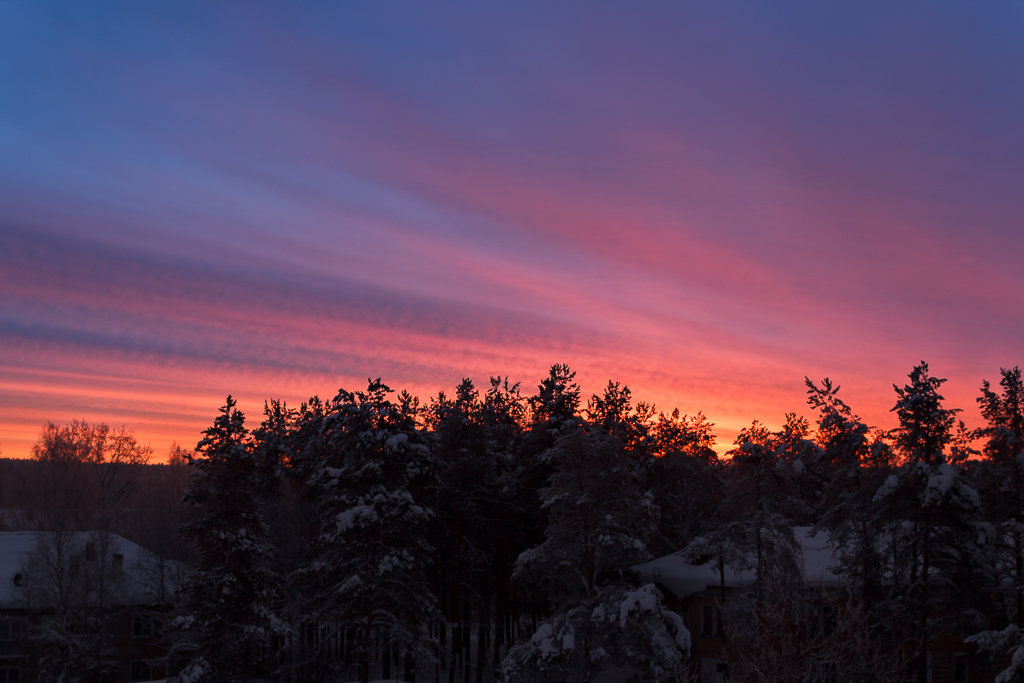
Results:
<point x="682" y="578"/>
<point x="24" y="576"/>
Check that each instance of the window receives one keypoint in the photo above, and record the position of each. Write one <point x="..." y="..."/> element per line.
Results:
<point x="9" y="674"/>
<point x="11" y="629"/>
<point x="142" y="626"/>
<point x="142" y="671"/>
<point x="960" y="668"/>
<point x="708" y="620"/>
<point x="118" y="564"/>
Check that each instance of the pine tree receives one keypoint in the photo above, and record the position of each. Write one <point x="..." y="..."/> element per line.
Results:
<point x="1002" y="476"/>
<point x="556" y="405"/>
<point x="605" y="622"/>
<point x="622" y="633"/>
<point x="228" y="614"/>
<point x="373" y="489"/>
<point x="929" y="504"/>
<point x="756" y="514"/>
<point x="849" y="476"/>
<point x="684" y="478"/>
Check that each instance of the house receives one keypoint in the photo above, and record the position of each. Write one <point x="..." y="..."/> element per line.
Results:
<point x="807" y="629"/>
<point x="90" y="604"/>
<point x="703" y="594"/>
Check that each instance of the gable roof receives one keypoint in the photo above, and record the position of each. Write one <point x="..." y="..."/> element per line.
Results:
<point x="682" y="578"/>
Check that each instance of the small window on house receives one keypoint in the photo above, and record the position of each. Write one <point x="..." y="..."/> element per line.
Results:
<point x="142" y="626"/>
<point x="142" y="671"/>
<point x="11" y="629"/>
<point x="708" y="622"/>
<point x="118" y="564"/>
<point x="10" y="674"/>
<point x="960" y="668"/>
<point x="90" y="552"/>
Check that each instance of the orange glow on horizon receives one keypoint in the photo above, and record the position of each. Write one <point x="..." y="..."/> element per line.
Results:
<point x="174" y="407"/>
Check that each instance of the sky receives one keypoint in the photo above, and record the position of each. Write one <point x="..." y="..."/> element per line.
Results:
<point x="705" y="201"/>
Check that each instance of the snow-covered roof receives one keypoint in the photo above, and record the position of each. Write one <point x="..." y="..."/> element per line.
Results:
<point x="136" y="583"/>
<point x="682" y="578"/>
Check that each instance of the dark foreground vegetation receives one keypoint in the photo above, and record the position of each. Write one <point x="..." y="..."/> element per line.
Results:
<point x="489" y="535"/>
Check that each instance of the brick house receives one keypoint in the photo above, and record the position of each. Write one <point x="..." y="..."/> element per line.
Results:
<point x="90" y="605"/>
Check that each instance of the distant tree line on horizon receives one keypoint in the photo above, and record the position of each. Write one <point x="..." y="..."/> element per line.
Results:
<point x="489" y="535"/>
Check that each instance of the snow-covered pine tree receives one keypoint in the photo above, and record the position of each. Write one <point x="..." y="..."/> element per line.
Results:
<point x="849" y="477"/>
<point x="613" y="413"/>
<point x="1004" y="453"/>
<point x="556" y="404"/>
<point x="1002" y="477"/>
<point x="598" y="519"/>
<point x="605" y="622"/>
<point x="374" y="488"/>
<point x="228" y="620"/>
<point x="758" y="507"/>
<point x="623" y="633"/>
<point x="931" y="509"/>
<point x="552" y="413"/>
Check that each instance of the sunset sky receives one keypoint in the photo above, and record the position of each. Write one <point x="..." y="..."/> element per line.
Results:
<point x="705" y="201"/>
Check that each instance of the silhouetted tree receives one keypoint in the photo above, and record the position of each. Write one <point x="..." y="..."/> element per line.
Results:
<point x="375" y="488"/>
<point x="228" y="618"/>
<point x="929" y="507"/>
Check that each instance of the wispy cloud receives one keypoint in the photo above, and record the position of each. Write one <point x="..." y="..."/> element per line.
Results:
<point x="704" y="202"/>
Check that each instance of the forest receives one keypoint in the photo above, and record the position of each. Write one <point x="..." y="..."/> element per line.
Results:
<point x="494" y="535"/>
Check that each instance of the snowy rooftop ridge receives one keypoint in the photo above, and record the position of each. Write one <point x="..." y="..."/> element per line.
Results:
<point x="682" y="578"/>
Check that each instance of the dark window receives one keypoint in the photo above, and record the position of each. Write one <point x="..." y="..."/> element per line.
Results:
<point x="90" y="552"/>
<point x="708" y="627"/>
<point x="10" y="675"/>
<point x="11" y="629"/>
<point x="960" y="668"/>
<point x="118" y="564"/>
<point x="142" y="671"/>
<point x="142" y="627"/>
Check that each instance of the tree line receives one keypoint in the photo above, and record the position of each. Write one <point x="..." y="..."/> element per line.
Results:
<point x="490" y="535"/>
